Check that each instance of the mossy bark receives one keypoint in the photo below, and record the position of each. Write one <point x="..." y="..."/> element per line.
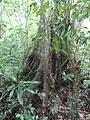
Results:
<point x="75" y="93"/>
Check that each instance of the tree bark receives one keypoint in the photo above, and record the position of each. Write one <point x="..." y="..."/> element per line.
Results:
<point x="75" y="69"/>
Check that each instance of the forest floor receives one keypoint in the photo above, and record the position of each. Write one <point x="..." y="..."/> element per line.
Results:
<point x="63" y="110"/>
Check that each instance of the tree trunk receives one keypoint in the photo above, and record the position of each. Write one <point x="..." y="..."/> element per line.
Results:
<point x="75" y="100"/>
<point x="75" y="93"/>
<point x="44" y="51"/>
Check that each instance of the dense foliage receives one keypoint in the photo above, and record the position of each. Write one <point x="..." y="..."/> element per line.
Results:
<point x="19" y="37"/>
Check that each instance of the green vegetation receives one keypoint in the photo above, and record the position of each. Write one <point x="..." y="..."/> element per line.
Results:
<point x="44" y="59"/>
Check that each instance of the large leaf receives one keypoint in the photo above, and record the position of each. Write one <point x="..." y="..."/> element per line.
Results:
<point x="31" y="91"/>
<point x="19" y="95"/>
<point x="11" y="93"/>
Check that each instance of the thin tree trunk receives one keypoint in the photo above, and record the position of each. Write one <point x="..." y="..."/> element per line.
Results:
<point x="75" y="93"/>
<point x="75" y="100"/>
<point x="44" y="50"/>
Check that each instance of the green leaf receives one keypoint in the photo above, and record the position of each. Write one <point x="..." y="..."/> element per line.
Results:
<point x="11" y="93"/>
<point x="86" y="82"/>
<point x="37" y="117"/>
<point x="38" y="23"/>
<point x="10" y="88"/>
<point x="45" y="5"/>
<point x="31" y="82"/>
<point x="29" y="117"/>
<point x="34" y="4"/>
<point x="32" y="110"/>
<point x="31" y="91"/>
<point x="56" y="44"/>
<point x="54" y="109"/>
<point x="73" y="46"/>
<point x="14" y="78"/>
<point x="63" y="42"/>
<point x="19" y="95"/>
<point x="20" y="116"/>
<point x="2" y="89"/>
<point x="43" y="8"/>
